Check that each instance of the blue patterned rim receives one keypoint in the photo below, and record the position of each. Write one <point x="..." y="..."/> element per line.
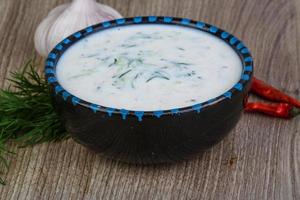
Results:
<point x="235" y="43"/>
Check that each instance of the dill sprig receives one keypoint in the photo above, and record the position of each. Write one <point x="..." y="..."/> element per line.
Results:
<point x="27" y="115"/>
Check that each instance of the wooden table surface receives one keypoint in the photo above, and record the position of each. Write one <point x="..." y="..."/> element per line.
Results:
<point x="260" y="159"/>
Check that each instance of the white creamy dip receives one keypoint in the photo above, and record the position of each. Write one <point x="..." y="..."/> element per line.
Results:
<point x="149" y="67"/>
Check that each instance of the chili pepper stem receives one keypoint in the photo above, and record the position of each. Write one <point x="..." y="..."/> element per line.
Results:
<point x="295" y="111"/>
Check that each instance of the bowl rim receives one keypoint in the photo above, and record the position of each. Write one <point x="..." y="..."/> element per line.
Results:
<point x="236" y="44"/>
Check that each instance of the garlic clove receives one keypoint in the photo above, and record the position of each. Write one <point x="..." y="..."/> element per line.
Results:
<point x="42" y="31"/>
<point x="69" y="18"/>
<point x="110" y="12"/>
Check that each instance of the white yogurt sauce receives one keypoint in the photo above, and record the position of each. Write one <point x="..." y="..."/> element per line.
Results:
<point x="149" y="67"/>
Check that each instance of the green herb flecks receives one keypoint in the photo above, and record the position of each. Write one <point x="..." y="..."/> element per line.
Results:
<point x="128" y="45"/>
<point x="135" y="62"/>
<point x="89" y="55"/>
<point x="123" y="74"/>
<point x="27" y="115"/>
<point x="119" y="62"/>
<point x="84" y="72"/>
<point x="158" y="75"/>
<point x="134" y="79"/>
<point x="114" y="63"/>
<point x="179" y="64"/>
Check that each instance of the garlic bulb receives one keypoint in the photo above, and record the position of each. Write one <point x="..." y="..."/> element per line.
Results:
<point x="66" y="19"/>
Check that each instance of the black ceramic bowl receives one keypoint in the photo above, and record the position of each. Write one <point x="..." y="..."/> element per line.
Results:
<point x="150" y="137"/>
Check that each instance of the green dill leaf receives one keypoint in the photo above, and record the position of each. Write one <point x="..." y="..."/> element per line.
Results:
<point x="27" y="115"/>
<point x="157" y="76"/>
<point x="123" y="74"/>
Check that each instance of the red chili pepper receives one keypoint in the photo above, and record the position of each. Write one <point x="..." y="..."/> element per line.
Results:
<point x="282" y="110"/>
<point x="268" y="92"/>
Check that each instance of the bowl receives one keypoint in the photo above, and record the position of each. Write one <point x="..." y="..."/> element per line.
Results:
<point x="146" y="137"/>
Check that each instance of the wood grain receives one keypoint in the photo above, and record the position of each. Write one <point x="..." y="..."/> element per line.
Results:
<point x="260" y="159"/>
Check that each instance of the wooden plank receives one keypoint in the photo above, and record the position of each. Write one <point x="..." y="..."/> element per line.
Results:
<point x="260" y="159"/>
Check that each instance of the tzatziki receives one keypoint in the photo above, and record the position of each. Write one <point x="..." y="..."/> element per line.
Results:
<point x="149" y="67"/>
